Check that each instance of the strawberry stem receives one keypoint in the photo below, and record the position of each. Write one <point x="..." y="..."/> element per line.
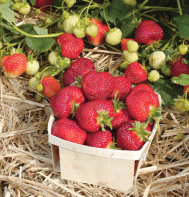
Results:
<point x="179" y="7"/>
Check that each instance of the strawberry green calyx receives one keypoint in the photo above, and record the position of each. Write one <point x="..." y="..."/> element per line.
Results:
<point x="104" y="120"/>
<point x="117" y="104"/>
<point x="166" y="70"/>
<point x="140" y="130"/>
<point x="74" y="108"/>
<point x="84" y="21"/>
<point x="63" y="63"/>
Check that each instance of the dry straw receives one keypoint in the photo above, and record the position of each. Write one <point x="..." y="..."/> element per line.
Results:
<point x="25" y="156"/>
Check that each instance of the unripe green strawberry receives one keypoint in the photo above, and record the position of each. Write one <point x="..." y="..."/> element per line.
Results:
<point x="48" y="21"/>
<point x="79" y="31"/>
<point x="153" y="76"/>
<point x="24" y="9"/>
<point x="91" y="30"/>
<point x="113" y="36"/>
<point x="60" y="26"/>
<point x="53" y="57"/>
<point x="69" y="23"/>
<point x="156" y="59"/>
<point x="132" y="46"/>
<point x="124" y="64"/>
<point x="182" y="105"/>
<point x="17" y="1"/>
<point x="33" y="82"/>
<point x="183" y="49"/>
<point x="70" y="3"/>
<point x="16" y="6"/>
<point x="32" y="67"/>
<point x="2" y="1"/>
<point x="166" y="70"/>
<point x="38" y="98"/>
<point x="130" y="57"/>
<point x="130" y="2"/>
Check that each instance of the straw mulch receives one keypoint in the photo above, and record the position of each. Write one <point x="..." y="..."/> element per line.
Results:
<point x="25" y="155"/>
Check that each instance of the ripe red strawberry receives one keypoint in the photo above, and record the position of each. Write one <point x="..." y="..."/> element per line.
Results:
<point x="69" y="130"/>
<point x="97" y="85"/>
<point x="41" y="3"/>
<point x="15" y="65"/>
<point x="135" y="73"/>
<point x="99" y="139"/>
<point x="123" y="86"/>
<point x="71" y="46"/>
<point x="77" y="68"/>
<point x="177" y="58"/>
<point x="141" y="86"/>
<point x="66" y="101"/>
<point x="124" y="43"/>
<point x="50" y="86"/>
<point x="101" y="30"/>
<point x="179" y="68"/>
<point x="95" y="114"/>
<point x="142" y="104"/>
<point x="147" y="32"/>
<point x="132" y="135"/>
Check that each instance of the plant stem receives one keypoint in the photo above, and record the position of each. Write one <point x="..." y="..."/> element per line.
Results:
<point x="179" y="7"/>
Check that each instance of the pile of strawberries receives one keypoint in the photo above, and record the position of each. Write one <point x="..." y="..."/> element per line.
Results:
<point x="102" y="110"/>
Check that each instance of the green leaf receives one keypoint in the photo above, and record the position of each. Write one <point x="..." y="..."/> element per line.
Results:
<point x="182" y="21"/>
<point x="41" y="31"/>
<point x="182" y="80"/>
<point x="118" y="9"/>
<point x="40" y="44"/>
<point x="32" y="2"/>
<point x="167" y="90"/>
<point x="6" y="10"/>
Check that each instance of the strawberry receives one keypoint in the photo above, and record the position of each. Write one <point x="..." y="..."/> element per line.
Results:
<point x="69" y="130"/>
<point x="97" y="85"/>
<point x="124" y="43"/>
<point x="91" y="30"/>
<point x="15" y="65"/>
<point x="49" y="86"/>
<point x="32" y="67"/>
<point x="147" y="32"/>
<point x="79" y="31"/>
<point x="123" y="86"/>
<point x="79" y="67"/>
<point x="142" y="104"/>
<point x="153" y="76"/>
<point x="101" y="30"/>
<point x="130" y="56"/>
<point x="176" y="58"/>
<point x="132" y="135"/>
<point x="140" y="87"/>
<point x="183" y="49"/>
<point x="121" y="115"/>
<point x="70" y="3"/>
<point x="132" y="46"/>
<point x="41" y="3"/>
<point x="69" y="23"/>
<point x="157" y="59"/>
<point x="33" y="82"/>
<point x="24" y="8"/>
<point x="135" y="73"/>
<point x="179" y="68"/>
<point x="66" y="101"/>
<point x="99" y="139"/>
<point x="113" y="36"/>
<point x="166" y="70"/>
<point x="130" y="2"/>
<point x="71" y="47"/>
<point x="95" y="114"/>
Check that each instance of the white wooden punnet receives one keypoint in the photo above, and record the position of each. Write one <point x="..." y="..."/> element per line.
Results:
<point x="114" y="168"/>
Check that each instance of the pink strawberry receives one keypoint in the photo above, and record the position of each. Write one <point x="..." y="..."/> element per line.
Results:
<point x="141" y="86"/>
<point x="97" y="85"/>
<point x="69" y="130"/>
<point x="71" y="46"/>
<point x="95" y="114"/>
<point x="50" y="86"/>
<point x="179" y="68"/>
<point x="142" y="104"/>
<point x="135" y="73"/>
<point x="99" y="139"/>
<point x="132" y="135"/>
<point x="66" y="101"/>
<point x="123" y="86"/>
<point x="77" y="68"/>
<point x="147" y="32"/>
<point x="41" y="3"/>
<point x="101" y="30"/>
<point x="15" y="65"/>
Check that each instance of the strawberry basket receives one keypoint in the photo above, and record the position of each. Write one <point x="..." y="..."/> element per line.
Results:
<point x="118" y="169"/>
